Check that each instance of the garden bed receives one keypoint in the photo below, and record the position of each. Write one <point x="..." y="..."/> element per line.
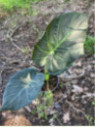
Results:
<point x="74" y="99"/>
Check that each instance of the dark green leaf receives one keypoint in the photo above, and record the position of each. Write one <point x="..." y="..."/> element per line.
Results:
<point x="62" y="42"/>
<point x="22" y="89"/>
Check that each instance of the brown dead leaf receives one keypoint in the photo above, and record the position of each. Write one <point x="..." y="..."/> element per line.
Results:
<point x="17" y="121"/>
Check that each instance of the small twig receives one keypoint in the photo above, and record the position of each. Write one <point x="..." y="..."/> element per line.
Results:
<point x="58" y="120"/>
<point x="28" y="109"/>
<point x="69" y="78"/>
<point x="3" y="69"/>
<point x="75" y="109"/>
<point x="15" y="30"/>
<point x="11" y="34"/>
<point x="1" y="73"/>
<point x="17" y="47"/>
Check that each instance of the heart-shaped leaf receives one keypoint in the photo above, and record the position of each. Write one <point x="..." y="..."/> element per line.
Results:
<point x="62" y="42"/>
<point x="22" y="89"/>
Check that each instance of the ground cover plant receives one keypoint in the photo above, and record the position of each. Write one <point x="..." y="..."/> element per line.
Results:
<point x="9" y="5"/>
<point x="89" y="45"/>
<point x="60" y="46"/>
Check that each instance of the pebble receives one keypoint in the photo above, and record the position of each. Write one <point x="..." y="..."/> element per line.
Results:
<point x="85" y="89"/>
<point x="89" y="67"/>
<point x="92" y="75"/>
<point x="74" y="81"/>
<point x="52" y="112"/>
<point x="77" y="89"/>
<point x="57" y="106"/>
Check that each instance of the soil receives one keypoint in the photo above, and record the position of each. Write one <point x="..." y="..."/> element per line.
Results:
<point x="73" y="99"/>
<point x="52" y="83"/>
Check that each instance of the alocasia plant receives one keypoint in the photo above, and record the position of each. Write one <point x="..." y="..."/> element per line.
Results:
<point x="22" y="88"/>
<point x="61" y="44"/>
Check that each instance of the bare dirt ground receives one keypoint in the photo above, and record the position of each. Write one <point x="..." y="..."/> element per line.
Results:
<point x="73" y="100"/>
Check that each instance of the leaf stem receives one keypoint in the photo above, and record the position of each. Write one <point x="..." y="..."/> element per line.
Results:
<point x="48" y="85"/>
<point x="47" y="77"/>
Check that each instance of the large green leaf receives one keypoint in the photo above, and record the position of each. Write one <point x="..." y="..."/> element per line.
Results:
<point x="62" y="42"/>
<point x="22" y="89"/>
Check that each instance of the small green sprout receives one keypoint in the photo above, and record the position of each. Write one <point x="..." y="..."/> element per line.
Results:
<point x="89" y="45"/>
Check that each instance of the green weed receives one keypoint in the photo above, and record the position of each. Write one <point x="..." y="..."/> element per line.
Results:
<point x="89" y="119"/>
<point x="93" y="103"/>
<point x="70" y="1"/>
<point x="42" y="107"/>
<point x="89" y="45"/>
<point x="25" y="50"/>
<point x="11" y="4"/>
